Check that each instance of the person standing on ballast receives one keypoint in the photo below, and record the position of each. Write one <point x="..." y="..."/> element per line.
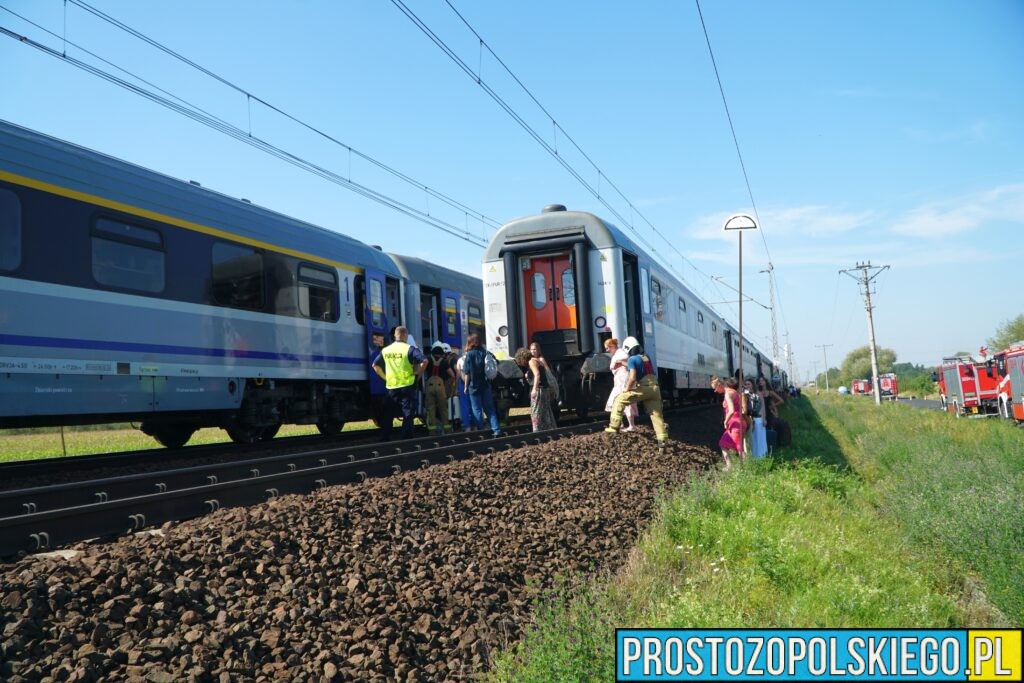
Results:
<point x="399" y="364"/>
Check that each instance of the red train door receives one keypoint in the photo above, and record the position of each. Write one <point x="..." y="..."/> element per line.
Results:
<point x="550" y="294"/>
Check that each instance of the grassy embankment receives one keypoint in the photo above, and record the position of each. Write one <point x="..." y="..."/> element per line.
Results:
<point x="874" y="517"/>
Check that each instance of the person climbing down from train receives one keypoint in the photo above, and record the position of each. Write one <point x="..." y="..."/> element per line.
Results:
<point x="620" y="373"/>
<point x="538" y="377"/>
<point x="732" y="438"/>
<point x="436" y="376"/>
<point x="641" y="387"/>
<point x="399" y="364"/>
<point x="478" y="387"/>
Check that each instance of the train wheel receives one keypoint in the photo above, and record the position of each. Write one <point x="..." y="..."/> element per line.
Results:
<point x="245" y="434"/>
<point x="330" y="427"/>
<point x="170" y="435"/>
<point x="270" y="432"/>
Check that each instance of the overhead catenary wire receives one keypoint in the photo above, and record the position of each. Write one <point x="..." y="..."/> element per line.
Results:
<point x="739" y="154"/>
<point x="550" y="147"/>
<point x="200" y="115"/>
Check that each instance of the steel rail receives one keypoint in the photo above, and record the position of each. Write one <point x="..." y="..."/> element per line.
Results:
<point x="35" y="530"/>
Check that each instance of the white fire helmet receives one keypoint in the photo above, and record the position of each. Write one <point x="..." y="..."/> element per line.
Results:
<point x="628" y="343"/>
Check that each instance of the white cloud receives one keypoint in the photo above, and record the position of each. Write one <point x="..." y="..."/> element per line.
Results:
<point x="971" y="133"/>
<point x="1003" y="204"/>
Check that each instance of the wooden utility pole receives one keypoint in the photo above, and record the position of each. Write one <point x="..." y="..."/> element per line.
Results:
<point x="825" y="356"/>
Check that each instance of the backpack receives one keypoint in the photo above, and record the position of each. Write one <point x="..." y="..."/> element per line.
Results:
<point x="490" y="365"/>
<point x="754" y="405"/>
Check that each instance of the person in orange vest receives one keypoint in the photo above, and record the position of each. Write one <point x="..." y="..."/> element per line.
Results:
<point x="399" y="365"/>
<point x="436" y="379"/>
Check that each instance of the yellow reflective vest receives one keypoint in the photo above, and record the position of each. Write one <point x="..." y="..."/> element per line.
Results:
<point x="398" y="371"/>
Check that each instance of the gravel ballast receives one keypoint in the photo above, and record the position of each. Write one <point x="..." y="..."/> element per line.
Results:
<point x="420" y="576"/>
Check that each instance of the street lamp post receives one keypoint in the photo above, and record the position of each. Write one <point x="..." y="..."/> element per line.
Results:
<point x="740" y="222"/>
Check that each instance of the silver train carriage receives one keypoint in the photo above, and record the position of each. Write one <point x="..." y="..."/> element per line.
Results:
<point x="129" y="295"/>
<point x="570" y="280"/>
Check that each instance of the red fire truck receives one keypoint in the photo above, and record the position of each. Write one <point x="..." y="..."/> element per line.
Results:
<point x="969" y="387"/>
<point x="861" y="387"/>
<point x="1007" y="372"/>
<point x="888" y="386"/>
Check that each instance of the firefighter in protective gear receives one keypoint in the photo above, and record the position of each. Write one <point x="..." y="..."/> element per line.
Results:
<point x="399" y="364"/>
<point x="641" y="387"/>
<point x="437" y="376"/>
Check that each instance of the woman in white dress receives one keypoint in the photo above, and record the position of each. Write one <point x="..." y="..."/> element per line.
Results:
<point x="621" y="374"/>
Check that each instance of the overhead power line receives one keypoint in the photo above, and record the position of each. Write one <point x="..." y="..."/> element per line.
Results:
<point x="196" y="113"/>
<point x="550" y="147"/>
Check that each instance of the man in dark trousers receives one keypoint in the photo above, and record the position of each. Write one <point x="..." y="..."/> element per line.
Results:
<point x="399" y="365"/>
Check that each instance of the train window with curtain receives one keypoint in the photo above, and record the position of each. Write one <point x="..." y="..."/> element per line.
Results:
<point x="318" y="293"/>
<point x="376" y="303"/>
<point x="237" y="276"/>
<point x="659" y="301"/>
<point x="568" y="288"/>
<point x="451" y="316"/>
<point x="127" y="256"/>
<point x="10" y="230"/>
<point x="539" y="295"/>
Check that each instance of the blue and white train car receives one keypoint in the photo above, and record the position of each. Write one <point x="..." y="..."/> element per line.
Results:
<point x="129" y="295"/>
<point x="570" y="280"/>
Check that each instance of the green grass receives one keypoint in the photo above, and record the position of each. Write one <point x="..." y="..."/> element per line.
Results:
<point x="28" y="444"/>
<point x="875" y="517"/>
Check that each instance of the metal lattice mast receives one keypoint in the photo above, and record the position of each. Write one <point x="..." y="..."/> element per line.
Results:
<point x="776" y="359"/>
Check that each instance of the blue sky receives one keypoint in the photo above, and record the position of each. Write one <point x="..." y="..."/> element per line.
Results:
<point x="879" y="131"/>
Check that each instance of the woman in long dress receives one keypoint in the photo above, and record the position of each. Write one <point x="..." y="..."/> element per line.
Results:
<point x="620" y="375"/>
<point x="732" y="438"/>
<point x="541" y="415"/>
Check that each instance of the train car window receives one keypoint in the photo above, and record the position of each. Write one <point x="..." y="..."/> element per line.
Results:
<point x="700" y="317"/>
<point x="10" y="230"/>
<point x="476" y="318"/>
<point x="539" y="296"/>
<point x="645" y="289"/>
<point x="237" y="276"/>
<point x="451" y="316"/>
<point x="376" y="303"/>
<point x="659" y="301"/>
<point x="359" y="285"/>
<point x="714" y="327"/>
<point x="318" y="292"/>
<point x="127" y="256"/>
<point x="568" y="288"/>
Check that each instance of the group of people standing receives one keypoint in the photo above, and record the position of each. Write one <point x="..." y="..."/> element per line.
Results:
<point x="747" y="416"/>
<point x="401" y="365"/>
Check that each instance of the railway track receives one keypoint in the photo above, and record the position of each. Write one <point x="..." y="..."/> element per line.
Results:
<point x="46" y="517"/>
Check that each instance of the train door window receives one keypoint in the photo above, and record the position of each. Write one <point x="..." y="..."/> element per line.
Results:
<point x="376" y="303"/>
<point x="476" y="319"/>
<point x="10" y="230"/>
<point x="318" y="292"/>
<point x="392" y="301"/>
<point x="237" y="276"/>
<point x="645" y="290"/>
<point x="359" y="285"/>
<point x="451" y="316"/>
<point x="683" y="318"/>
<point x="659" y="301"/>
<point x="539" y="295"/>
<point x="568" y="288"/>
<point x="127" y="256"/>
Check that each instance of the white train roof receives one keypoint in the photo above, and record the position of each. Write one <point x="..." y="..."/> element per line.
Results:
<point x="558" y="224"/>
<point x="433" y="275"/>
